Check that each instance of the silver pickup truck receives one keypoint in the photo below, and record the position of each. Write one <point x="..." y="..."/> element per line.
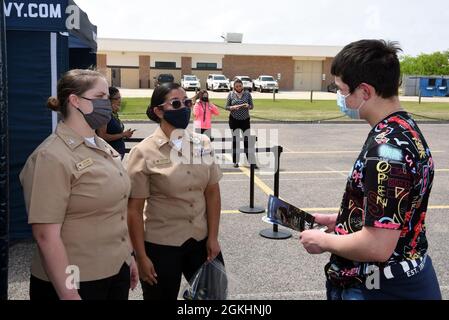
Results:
<point x="266" y="83"/>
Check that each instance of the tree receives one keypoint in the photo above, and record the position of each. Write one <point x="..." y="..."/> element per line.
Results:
<point x="433" y="64"/>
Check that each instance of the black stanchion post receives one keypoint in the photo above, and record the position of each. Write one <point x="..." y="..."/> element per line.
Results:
<point x="252" y="160"/>
<point x="4" y="162"/>
<point x="274" y="233"/>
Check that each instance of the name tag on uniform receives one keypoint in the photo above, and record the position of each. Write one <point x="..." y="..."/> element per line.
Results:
<point x="161" y="162"/>
<point x="84" y="164"/>
<point x="206" y="152"/>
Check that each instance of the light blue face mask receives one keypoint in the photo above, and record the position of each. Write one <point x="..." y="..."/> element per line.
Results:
<point x="351" y="113"/>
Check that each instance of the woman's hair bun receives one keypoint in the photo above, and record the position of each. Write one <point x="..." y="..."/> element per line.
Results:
<point x="53" y="104"/>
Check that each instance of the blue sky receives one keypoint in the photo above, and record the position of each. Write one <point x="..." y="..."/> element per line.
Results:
<point x="419" y="26"/>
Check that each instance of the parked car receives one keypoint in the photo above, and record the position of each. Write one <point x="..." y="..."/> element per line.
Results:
<point x="190" y="82"/>
<point x="163" y="78"/>
<point x="266" y="83"/>
<point x="217" y="82"/>
<point x="247" y="82"/>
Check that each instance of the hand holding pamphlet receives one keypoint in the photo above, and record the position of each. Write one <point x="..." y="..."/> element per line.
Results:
<point x="287" y="215"/>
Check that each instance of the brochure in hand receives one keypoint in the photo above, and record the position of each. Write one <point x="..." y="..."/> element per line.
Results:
<point x="287" y="215"/>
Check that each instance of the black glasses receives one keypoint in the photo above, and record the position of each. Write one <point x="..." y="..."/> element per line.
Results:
<point x="176" y="103"/>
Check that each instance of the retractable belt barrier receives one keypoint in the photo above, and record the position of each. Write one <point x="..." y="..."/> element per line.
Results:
<point x="271" y="233"/>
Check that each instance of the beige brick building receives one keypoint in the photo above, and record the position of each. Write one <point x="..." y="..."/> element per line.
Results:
<point x="136" y="63"/>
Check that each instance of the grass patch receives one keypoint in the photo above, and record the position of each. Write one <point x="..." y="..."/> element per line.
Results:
<point x="299" y="110"/>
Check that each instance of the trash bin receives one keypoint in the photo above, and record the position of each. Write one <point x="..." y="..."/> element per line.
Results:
<point x="428" y="87"/>
<point x="442" y="89"/>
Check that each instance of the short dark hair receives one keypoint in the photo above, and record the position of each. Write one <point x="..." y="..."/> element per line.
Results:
<point x="113" y="91"/>
<point x="158" y="98"/>
<point x="374" y="62"/>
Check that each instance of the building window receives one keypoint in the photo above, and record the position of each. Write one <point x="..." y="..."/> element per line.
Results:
<point x="206" y="66"/>
<point x="165" y="65"/>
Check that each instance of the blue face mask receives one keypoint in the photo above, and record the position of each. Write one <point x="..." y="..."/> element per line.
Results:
<point x="178" y="118"/>
<point x="351" y="113"/>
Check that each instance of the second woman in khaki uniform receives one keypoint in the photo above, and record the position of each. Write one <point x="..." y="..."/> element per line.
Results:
<point x="76" y="192"/>
<point x="174" y="173"/>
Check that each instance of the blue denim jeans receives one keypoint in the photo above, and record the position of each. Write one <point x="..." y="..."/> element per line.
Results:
<point x="335" y="293"/>
<point x="421" y="286"/>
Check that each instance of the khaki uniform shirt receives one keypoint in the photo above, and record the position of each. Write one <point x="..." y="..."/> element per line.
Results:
<point x="85" y="188"/>
<point x="175" y="209"/>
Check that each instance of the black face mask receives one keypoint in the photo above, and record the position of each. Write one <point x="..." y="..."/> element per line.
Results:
<point x="178" y="118"/>
<point x="101" y="114"/>
<point x="205" y="99"/>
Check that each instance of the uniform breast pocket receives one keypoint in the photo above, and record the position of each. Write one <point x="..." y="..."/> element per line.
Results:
<point x="163" y="176"/>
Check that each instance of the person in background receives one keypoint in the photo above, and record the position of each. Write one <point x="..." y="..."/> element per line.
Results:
<point x="379" y="247"/>
<point x="203" y="112"/>
<point x="76" y="192"/>
<point x="179" y="199"/>
<point x="239" y="102"/>
<point x="114" y="131"/>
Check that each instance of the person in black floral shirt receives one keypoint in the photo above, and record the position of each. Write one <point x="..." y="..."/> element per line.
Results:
<point x="239" y="102"/>
<point x="378" y="240"/>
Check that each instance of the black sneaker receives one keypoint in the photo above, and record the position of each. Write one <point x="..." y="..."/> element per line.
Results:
<point x="236" y="165"/>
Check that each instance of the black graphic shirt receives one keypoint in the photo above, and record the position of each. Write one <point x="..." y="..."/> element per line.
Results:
<point x="388" y="188"/>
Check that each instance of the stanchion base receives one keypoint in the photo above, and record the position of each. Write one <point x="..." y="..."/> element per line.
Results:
<point x="249" y="210"/>
<point x="279" y="235"/>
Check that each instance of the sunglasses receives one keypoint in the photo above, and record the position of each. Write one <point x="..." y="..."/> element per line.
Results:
<point x="176" y="103"/>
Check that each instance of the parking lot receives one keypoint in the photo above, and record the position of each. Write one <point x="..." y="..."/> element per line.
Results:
<point x="314" y="167"/>
<point x="294" y="95"/>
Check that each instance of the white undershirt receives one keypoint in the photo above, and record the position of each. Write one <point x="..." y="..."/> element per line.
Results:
<point x="91" y="140"/>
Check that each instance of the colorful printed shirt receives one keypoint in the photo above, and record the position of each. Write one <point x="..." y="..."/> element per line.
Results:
<point x="388" y="188"/>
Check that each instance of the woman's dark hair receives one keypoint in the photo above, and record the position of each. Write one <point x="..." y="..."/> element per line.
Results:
<point x="158" y="98"/>
<point x="374" y="62"/>
<point x="201" y="93"/>
<point x="113" y="91"/>
<point x="75" y="82"/>
<point x="237" y="80"/>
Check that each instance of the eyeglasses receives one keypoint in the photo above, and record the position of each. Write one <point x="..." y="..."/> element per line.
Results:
<point x="176" y="103"/>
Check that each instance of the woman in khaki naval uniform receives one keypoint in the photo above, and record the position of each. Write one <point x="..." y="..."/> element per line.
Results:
<point x="76" y="192"/>
<point x="173" y="172"/>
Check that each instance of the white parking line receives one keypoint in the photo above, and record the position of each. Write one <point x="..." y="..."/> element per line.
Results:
<point x="277" y="295"/>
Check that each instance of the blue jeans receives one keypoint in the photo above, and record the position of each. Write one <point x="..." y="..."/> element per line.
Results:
<point x="335" y="293"/>
<point x="421" y="286"/>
